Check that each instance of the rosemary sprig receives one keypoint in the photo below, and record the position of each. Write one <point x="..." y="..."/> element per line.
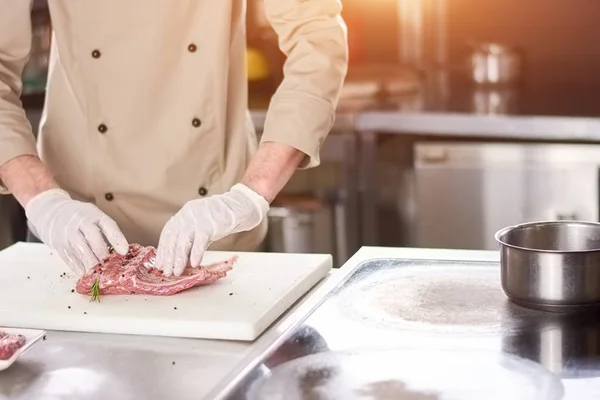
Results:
<point x="96" y="291"/>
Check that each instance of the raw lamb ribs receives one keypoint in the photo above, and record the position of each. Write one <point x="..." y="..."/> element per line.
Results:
<point x="9" y="344"/>
<point x="134" y="274"/>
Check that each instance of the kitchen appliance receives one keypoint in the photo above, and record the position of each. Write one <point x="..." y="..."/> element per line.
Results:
<point x="551" y="265"/>
<point x="310" y="224"/>
<point x="36" y="292"/>
<point x="494" y="64"/>
<point x="300" y="224"/>
<point x="466" y="191"/>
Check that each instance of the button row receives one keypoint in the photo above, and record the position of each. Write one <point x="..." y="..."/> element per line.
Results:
<point x="202" y="192"/>
<point x="192" y="48"/>
<point x="102" y="128"/>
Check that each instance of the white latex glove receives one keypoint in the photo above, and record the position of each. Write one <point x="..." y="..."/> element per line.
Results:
<point x="200" y="222"/>
<point x="78" y="231"/>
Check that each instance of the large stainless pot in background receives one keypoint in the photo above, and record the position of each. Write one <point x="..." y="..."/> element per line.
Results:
<point x="304" y="224"/>
<point x="494" y="64"/>
<point x="552" y="265"/>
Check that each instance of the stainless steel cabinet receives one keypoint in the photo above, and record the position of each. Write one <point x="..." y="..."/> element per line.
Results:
<point x="12" y="222"/>
<point x="465" y="192"/>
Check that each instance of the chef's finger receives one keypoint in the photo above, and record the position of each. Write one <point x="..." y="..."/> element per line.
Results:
<point x="182" y="252"/>
<point x="160" y="250"/>
<point x="114" y="235"/>
<point x="158" y="260"/>
<point x="82" y="250"/>
<point x="72" y="262"/>
<point x="198" y="249"/>
<point x="168" y="253"/>
<point x="92" y="234"/>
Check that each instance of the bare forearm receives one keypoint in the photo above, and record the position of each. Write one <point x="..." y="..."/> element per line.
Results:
<point x="26" y="177"/>
<point x="271" y="168"/>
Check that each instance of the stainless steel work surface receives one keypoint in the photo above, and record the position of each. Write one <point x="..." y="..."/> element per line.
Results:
<point x="91" y="366"/>
<point x="74" y="366"/>
<point x="431" y="329"/>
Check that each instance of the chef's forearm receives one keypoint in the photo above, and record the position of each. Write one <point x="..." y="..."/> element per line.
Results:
<point x="26" y="176"/>
<point x="271" y="168"/>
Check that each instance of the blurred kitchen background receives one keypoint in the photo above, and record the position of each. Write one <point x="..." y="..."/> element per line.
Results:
<point x="458" y="118"/>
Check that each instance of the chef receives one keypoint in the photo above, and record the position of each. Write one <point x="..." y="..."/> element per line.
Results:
<point x="146" y="136"/>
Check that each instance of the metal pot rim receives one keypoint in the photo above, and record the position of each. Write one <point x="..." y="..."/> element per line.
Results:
<point x="498" y="235"/>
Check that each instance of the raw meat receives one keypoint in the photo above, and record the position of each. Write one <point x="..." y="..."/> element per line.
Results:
<point x="134" y="274"/>
<point x="9" y="344"/>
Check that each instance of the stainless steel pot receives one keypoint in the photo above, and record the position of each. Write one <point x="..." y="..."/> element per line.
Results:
<point x="495" y="100"/>
<point x="552" y="265"/>
<point x="301" y="224"/>
<point x="494" y="64"/>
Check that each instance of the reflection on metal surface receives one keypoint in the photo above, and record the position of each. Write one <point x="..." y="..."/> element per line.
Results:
<point x="305" y="341"/>
<point x="437" y="299"/>
<point x="550" y="349"/>
<point x="566" y="344"/>
<point x="494" y="64"/>
<point x="393" y="389"/>
<point x="495" y="101"/>
<point x="80" y="368"/>
<point x="408" y="374"/>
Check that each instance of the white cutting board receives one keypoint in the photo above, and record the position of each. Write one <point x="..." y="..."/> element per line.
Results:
<point x="34" y="293"/>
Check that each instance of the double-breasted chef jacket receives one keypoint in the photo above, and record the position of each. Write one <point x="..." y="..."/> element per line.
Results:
<point x="146" y="102"/>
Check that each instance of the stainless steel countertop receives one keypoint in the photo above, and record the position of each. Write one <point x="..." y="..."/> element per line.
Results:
<point x="423" y="323"/>
<point x="444" y="124"/>
<point x="449" y="105"/>
<point x="550" y="128"/>
<point x="74" y="366"/>
<point x="438" y="317"/>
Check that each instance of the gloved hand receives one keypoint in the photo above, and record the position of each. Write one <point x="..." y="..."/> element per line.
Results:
<point x="78" y="231"/>
<point x="200" y="222"/>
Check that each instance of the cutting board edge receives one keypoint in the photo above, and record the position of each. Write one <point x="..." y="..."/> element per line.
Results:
<point x="241" y="331"/>
<point x="299" y="292"/>
<point x="223" y="253"/>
